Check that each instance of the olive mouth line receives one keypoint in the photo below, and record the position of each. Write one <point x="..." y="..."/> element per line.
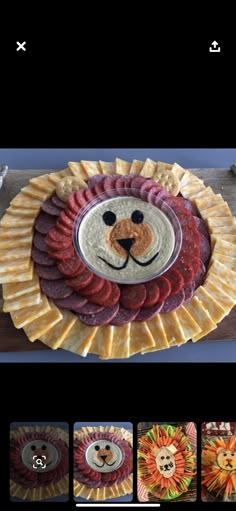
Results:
<point x="146" y="263"/>
<point x="105" y="463"/>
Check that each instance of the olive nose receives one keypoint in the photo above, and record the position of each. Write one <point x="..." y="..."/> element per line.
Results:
<point x="126" y="243"/>
<point x="103" y="457"/>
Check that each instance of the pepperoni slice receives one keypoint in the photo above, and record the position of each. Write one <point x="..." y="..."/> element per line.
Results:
<point x="70" y="214"/>
<point x="98" y="188"/>
<point x="132" y="297"/>
<point x="186" y="220"/>
<point x="65" y="220"/>
<point x="192" y="249"/>
<point x="185" y="268"/>
<point x="70" y="267"/>
<point x="195" y="263"/>
<point x="120" y="182"/>
<point x="61" y="227"/>
<point x="80" y="281"/>
<point x="114" y="296"/>
<point x="164" y="286"/>
<point x="72" y="204"/>
<point x="153" y="294"/>
<point x="80" y="198"/>
<point x="56" y="289"/>
<point x="89" y="195"/>
<point x="63" y="254"/>
<point x="58" y="245"/>
<point x="95" y="285"/>
<point x="102" y="296"/>
<point x="39" y="242"/>
<point x="176" y="280"/>
<point x="57" y="236"/>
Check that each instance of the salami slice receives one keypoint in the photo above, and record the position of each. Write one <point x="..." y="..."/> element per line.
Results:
<point x="164" y="286"/>
<point x="186" y="220"/>
<point x="145" y="187"/>
<point x="80" y="281"/>
<point x="173" y="303"/>
<point x="101" y="318"/>
<point x="176" y="280"/>
<point x="199" y="278"/>
<point x="137" y="182"/>
<point x="153" y="193"/>
<point x="151" y="312"/>
<point x="124" y="316"/>
<point x="89" y="308"/>
<point x="50" y="208"/>
<point x="164" y="194"/>
<point x="39" y="242"/>
<point x="64" y="230"/>
<point x="80" y="198"/>
<point x="188" y="291"/>
<point x="103" y="295"/>
<point x="95" y="285"/>
<point x="205" y="249"/>
<point x="185" y="268"/>
<point x="120" y="183"/>
<point x="63" y="254"/>
<point x="195" y="263"/>
<point x="201" y="227"/>
<point x="55" y="235"/>
<point x="70" y="214"/>
<point x="98" y="188"/>
<point x="109" y="184"/>
<point x="55" y="289"/>
<point x="57" y="202"/>
<point x="72" y="302"/>
<point x="72" y="204"/>
<point x="153" y="293"/>
<point x="132" y="297"/>
<point x="48" y="272"/>
<point x="71" y="266"/>
<point x="97" y="179"/>
<point x="89" y="194"/>
<point x="44" y="222"/>
<point x="65" y="243"/>
<point x="65" y="220"/>
<point x="114" y="296"/>
<point x="190" y="207"/>
<point x="42" y="258"/>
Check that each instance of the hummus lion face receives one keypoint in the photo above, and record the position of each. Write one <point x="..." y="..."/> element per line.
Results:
<point x="226" y="459"/>
<point x="103" y="456"/>
<point x="126" y="238"/>
<point x="165" y="462"/>
<point x="40" y="456"/>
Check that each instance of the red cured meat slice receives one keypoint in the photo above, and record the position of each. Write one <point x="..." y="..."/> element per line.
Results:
<point x="44" y="222"/>
<point x="72" y="204"/>
<point x="153" y="293"/>
<point x="42" y="258"/>
<point x="95" y="285"/>
<point x="191" y="235"/>
<point x="164" y="287"/>
<point x="205" y="249"/>
<point x="55" y="289"/>
<point x="186" y="220"/>
<point x="120" y="183"/>
<point x="65" y="220"/>
<point x="137" y="182"/>
<point x="39" y="242"/>
<point x="153" y="193"/>
<point x="124" y="316"/>
<point x="109" y="183"/>
<point x="98" y="188"/>
<point x="56" y="235"/>
<point x="70" y="267"/>
<point x="176" y="280"/>
<point x="48" y="272"/>
<point x="89" y="194"/>
<point x="201" y="226"/>
<point x="185" y="268"/>
<point x="188" y="291"/>
<point x="64" y="230"/>
<point x="195" y="263"/>
<point x="57" y="202"/>
<point x="190" y="207"/>
<point x="89" y="308"/>
<point x="71" y="302"/>
<point x="199" y="278"/>
<point x="101" y="318"/>
<point x="80" y="198"/>
<point x="190" y="249"/>
<point x="175" y="202"/>
<point x="145" y="187"/>
<point x="132" y="297"/>
<point x="80" y="281"/>
<point x="48" y="207"/>
<point x="151" y="312"/>
<point x="163" y="194"/>
<point x="114" y="296"/>
<point x="58" y="245"/>
<point x="173" y="303"/>
<point x="70" y="214"/>
<point x="63" y="254"/>
<point x="95" y="180"/>
<point x="103" y="295"/>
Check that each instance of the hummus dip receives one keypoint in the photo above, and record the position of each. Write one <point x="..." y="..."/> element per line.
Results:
<point x="92" y="239"/>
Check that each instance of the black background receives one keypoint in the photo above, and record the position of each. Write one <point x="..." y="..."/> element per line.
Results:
<point x="147" y="84"/>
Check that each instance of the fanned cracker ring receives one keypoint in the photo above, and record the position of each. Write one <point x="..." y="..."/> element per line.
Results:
<point x="167" y="179"/>
<point x="68" y="185"/>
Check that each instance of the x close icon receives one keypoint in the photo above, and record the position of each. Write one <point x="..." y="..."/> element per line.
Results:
<point x="21" y="46"/>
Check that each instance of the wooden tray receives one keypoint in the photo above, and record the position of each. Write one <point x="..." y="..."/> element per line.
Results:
<point x="221" y="180"/>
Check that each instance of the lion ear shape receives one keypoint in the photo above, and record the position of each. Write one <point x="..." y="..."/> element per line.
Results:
<point x="219" y="449"/>
<point x="155" y="451"/>
<point x="172" y="448"/>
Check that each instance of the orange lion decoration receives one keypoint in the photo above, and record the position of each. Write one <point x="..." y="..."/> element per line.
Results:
<point x="219" y="466"/>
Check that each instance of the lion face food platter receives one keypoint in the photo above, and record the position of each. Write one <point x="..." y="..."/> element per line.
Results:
<point x="117" y="258"/>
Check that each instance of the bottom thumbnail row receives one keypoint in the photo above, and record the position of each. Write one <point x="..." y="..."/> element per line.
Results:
<point x="103" y="462"/>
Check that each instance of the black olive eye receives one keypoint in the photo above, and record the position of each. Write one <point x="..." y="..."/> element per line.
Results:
<point x="225" y="454"/>
<point x="162" y="457"/>
<point x="107" y="447"/>
<point x="232" y="453"/>
<point x="33" y="448"/>
<point x="109" y="218"/>
<point x="167" y="457"/>
<point x="43" y="447"/>
<point x="97" y="448"/>
<point x="137" y="217"/>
